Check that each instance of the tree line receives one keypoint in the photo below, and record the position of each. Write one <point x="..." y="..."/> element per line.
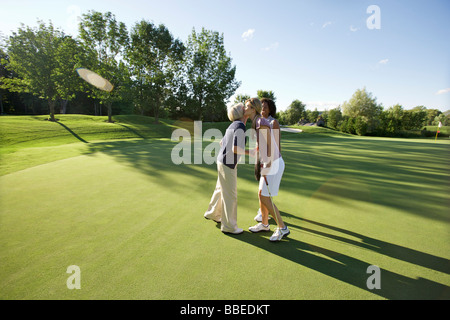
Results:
<point x="362" y="115"/>
<point x="153" y="72"/>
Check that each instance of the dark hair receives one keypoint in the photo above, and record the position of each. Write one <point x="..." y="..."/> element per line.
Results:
<point x="272" y="107"/>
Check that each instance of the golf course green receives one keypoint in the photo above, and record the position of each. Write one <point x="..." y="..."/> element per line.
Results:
<point x="107" y="198"/>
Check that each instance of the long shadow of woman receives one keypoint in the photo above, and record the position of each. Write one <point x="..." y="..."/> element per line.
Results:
<point x="354" y="271"/>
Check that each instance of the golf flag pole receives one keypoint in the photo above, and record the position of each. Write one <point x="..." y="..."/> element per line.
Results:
<point x="437" y="132"/>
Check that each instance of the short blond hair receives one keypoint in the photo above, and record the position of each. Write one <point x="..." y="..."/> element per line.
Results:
<point x="236" y="111"/>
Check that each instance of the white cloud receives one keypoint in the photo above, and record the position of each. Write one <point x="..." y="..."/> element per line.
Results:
<point x="248" y="34"/>
<point x="379" y="64"/>
<point x="443" y="91"/>
<point x="273" y="46"/>
<point x="353" y="29"/>
<point x="326" y="24"/>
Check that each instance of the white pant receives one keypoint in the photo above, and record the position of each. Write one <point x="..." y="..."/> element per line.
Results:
<point x="273" y="178"/>
<point x="223" y="204"/>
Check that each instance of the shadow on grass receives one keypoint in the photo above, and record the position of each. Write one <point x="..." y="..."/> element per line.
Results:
<point x="354" y="271"/>
<point x="411" y="176"/>
<point x="398" y="174"/>
<point x="71" y="132"/>
<point x="153" y="158"/>
<point x="388" y="249"/>
<point x="133" y="131"/>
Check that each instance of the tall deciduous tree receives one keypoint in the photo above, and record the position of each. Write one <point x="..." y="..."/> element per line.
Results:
<point x="44" y="59"/>
<point x="3" y="74"/>
<point x="295" y="111"/>
<point x="210" y="74"/>
<point x="334" y="118"/>
<point x="266" y="94"/>
<point x="107" y="40"/>
<point x="153" y="55"/>
<point x="241" y="98"/>
<point x="362" y="104"/>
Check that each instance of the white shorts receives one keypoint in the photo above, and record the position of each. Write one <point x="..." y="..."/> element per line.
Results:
<point x="273" y="179"/>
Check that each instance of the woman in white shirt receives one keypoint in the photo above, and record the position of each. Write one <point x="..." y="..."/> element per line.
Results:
<point x="272" y="168"/>
<point x="268" y="111"/>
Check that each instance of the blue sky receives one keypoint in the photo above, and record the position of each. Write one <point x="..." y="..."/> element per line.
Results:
<point x="319" y="52"/>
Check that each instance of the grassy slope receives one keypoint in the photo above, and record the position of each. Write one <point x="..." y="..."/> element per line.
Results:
<point x="27" y="141"/>
<point x="133" y="222"/>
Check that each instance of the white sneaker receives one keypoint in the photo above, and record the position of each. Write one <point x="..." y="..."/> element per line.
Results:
<point x="259" y="227"/>
<point x="217" y="220"/>
<point x="258" y="217"/>
<point x="279" y="233"/>
<point x="236" y="231"/>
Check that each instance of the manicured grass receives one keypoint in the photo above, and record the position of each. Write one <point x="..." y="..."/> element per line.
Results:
<point x="133" y="221"/>
<point x="314" y="131"/>
<point x="19" y="132"/>
<point x="27" y="141"/>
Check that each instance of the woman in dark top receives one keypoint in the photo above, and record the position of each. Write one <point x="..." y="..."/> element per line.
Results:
<point x="223" y="205"/>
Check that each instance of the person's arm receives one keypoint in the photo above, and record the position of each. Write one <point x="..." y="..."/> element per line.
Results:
<point x="264" y="141"/>
<point x="277" y="133"/>
<point x="240" y="151"/>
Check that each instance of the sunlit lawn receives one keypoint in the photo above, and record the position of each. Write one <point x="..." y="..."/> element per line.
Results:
<point x="133" y="221"/>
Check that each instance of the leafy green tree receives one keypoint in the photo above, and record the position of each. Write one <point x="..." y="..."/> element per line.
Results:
<point x="4" y="73"/>
<point x="44" y="59"/>
<point x="70" y="56"/>
<point x="293" y="113"/>
<point x="314" y="115"/>
<point x="307" y="116"/>
<point x="396" y="116"/>
<point x="179" y="103"/>
<point x="360" y="126"/>
<point x="266" y="94"/>
<point x="363" y="104"/>
<point x="106" y="40"/>
<point x="415" y="118"/>
<point x="442" y="118"/>
<point x="343" y="125"/>
<point x="153" y="54"/>
<point x="391" y="121"/>
<point x="431" y="115"/>
<point x="322" y="120"/>
<point x="241" y="98"/>
<point x="210" y="76"/>
<point x="334" y="118"/>
<point x="281" y="116"/>
<point x="351" y="126"/>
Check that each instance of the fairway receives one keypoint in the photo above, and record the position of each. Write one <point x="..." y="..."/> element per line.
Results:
<point x="133" y="222"/>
